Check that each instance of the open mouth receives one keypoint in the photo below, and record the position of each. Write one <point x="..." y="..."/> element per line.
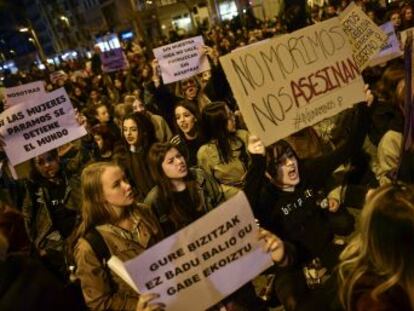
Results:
<point x="292" y="173"/>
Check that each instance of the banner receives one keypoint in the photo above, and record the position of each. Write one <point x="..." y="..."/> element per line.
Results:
<point x="391" y="50"/>
<point x="113" y="60"/>
<point x="201" y="264"/>
<point x="35" y="127"/>
<point x="294" y="81"/>
<point x="366" y="38"/>
<point x="19" y="94"/>
<point x="181" y="60"/>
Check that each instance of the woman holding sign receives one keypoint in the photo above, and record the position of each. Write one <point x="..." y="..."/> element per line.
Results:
<point x="127" y="228"/>
<point x="182" y="195"/>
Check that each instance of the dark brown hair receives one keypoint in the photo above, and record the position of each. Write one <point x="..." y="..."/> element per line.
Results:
<point x="176" y="214"/>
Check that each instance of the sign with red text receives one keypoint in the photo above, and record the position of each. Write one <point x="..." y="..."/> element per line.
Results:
<point x="181" y="60"/>
<point x="366" y="38"/>
<point x="35" y="127"/>
<point x="294" y="81"/>
<point x="22" y="93"/>
<point x="206" y="261"/>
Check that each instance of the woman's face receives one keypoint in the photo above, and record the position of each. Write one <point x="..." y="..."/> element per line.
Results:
<point x="190" y="88"/>
<point x="130" y="131"/>
<point x="102" y="114"/>
<point x="174" y="165"/>
<point x="47" y="165"/>
<point x="396" y="20"/>
<point x="78" y="91"/>
<point x="138" y="106"/>
<point x="408" y="15"/>
<point x="185" y="120"/>
<point x="231" y="120"/>
<point x="287" y="171"/>
<point x="116" y="189"/>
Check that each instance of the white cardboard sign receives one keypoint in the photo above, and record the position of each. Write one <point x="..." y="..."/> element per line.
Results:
<point x="391" y="50"/>
<point x="19" y="94"/>
<point x="294" y="81"/>
<point x="201" y="264"/>
<point x="181" y="60"/>
<point x="366" y="38"/>
<point x="35" y="127"/>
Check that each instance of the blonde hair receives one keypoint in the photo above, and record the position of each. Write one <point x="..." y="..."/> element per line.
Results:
<point x="95" y="211"/>
<point x="385" y="245"/>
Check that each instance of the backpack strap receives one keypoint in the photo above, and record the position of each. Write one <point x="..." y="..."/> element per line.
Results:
<point x="98" y="245"/>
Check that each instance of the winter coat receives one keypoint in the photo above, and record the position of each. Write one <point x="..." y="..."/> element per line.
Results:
<point x="101" y="287"/>
<point x="208" y="190"/>
<point x="231" y="174"/>
<point x="37" y="216"/>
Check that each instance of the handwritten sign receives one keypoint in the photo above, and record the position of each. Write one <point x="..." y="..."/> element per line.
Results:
<point x="22" y="93"/>
<point x="391" y="50"/>
<point x="181" y="60"/>
<point x="204" y="262"/>
<point x="113" y="60"/>
<point x="366" y="38"/>
<point x="33" y="128"/>
<point x="294" y="81"/>
<point x="404" y="35"/>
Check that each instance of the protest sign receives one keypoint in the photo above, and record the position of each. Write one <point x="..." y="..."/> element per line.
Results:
<point x="181" y="60"/>
<point x="113" y="60"/>
<point x="366" y="38"/>
<point x="201" y="264"/>
<point x="404" y="35"/>
<point x="32" y="128"/>
<point x="57" y="75"/>
<point x="22" y="93"/>
<point x="391" y="50"/>
<point x="294" y="81"/>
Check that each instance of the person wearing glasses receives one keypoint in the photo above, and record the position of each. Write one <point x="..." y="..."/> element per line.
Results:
<point x="292" y="203"/>
<point x="376" y="270"/>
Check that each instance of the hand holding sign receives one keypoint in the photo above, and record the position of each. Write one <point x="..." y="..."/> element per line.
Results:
<point x="274" y="245"/>
<point x="368" y="95"/>
<point x="145" y="304"/>
<point x="255" y="145"/>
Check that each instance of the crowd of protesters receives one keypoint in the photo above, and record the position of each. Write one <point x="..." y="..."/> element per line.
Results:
<point x="157" y="157"/>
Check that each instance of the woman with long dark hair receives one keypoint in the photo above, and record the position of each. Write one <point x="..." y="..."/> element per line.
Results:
<point x="189" y="138"/>
<point x="224" y="156"/>
<point x="139" y="134"/>
<point x="181" y="195"/>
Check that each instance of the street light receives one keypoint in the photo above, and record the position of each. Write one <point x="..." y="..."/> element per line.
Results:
<point x="36" y="41"/>
<point x="64" y="19"/>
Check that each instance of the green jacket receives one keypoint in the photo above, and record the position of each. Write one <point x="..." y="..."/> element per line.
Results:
<point x="208" y="189"/>
<point x="230" y="175"/>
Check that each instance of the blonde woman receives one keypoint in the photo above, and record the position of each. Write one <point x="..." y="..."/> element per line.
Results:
<point x="377" y="268"/>
<point x="127" y="229"/>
